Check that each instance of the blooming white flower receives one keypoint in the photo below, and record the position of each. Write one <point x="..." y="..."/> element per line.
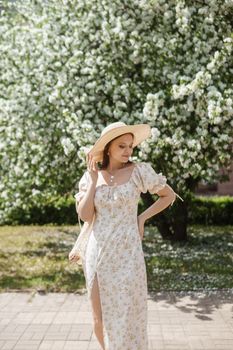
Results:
<point x="67" y="145"/>
<point x="69" y="78"/>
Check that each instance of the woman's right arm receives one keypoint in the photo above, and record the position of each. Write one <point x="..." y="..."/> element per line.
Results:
<point x="85" y="207"/>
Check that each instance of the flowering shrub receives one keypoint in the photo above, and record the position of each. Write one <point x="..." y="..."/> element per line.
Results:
<point x="70" y="67"/>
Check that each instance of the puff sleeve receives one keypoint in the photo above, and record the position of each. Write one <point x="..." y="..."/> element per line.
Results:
<point x="148" y="180"/>
<point x="82" y="187"/>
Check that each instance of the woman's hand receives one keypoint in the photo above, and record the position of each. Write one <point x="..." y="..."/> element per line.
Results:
<point x="73" y="257"/>
<point x="141" y="223"/>
<point x="92" y="168"/>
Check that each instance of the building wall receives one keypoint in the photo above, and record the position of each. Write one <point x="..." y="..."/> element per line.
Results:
<point x="221" y="189"/>
<point x="226" y="188"/>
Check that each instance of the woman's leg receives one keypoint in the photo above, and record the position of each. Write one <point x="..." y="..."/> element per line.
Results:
<point x="97" y="312"/>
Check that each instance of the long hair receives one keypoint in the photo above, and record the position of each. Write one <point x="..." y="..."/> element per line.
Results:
<point x="105" y="162"/>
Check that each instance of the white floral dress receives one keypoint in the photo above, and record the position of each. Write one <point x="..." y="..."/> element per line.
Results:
<point x="114" y="255"/>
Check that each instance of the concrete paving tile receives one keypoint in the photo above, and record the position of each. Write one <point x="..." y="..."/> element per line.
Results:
<point x="46" y="345"/>
<point x="80" y="345"/>
<point x="8" y="345"/>
<point x="27" y="345"/>
<point x="62" y="321"/>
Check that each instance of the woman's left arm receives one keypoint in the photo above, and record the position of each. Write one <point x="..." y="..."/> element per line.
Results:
<point x="166" y="197"/>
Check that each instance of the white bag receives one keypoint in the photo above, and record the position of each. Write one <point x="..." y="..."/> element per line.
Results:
<point x="79" y="248"/>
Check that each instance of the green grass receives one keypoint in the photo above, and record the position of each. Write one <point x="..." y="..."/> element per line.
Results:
<point x="205" y="261"/>
<point x="36" y="258"/>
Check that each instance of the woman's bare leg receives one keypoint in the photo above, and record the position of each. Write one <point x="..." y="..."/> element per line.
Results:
<point x="97" y="312"/>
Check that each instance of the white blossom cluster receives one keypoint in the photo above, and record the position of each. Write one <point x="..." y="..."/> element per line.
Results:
<point x="70" y="67"/>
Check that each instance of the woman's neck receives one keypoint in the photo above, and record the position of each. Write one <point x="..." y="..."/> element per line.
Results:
<point x="115" y="167"/>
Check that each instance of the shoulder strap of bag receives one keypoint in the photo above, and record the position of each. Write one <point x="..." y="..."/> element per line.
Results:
<point x="79" y="222"/>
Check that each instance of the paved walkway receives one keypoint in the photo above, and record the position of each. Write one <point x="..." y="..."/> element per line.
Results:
<point x="57" y="321"/>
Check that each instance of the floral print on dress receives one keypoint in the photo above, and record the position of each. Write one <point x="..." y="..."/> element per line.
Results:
<point x="115" y="257"/>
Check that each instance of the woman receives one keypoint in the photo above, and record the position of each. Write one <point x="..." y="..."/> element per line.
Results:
<point x="112" y="256"/>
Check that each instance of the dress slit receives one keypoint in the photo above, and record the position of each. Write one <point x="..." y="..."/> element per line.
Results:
<point x="101" y="306"/>
<point x="95" y="278"/>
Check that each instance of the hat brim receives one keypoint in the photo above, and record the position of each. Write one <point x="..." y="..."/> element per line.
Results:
<point x="140" y="131"/>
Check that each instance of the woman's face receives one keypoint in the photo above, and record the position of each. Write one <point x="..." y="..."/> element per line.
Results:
<point x="121" y="148"/>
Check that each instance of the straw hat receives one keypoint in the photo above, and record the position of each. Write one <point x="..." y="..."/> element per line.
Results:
<point x="140" y="132"/>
